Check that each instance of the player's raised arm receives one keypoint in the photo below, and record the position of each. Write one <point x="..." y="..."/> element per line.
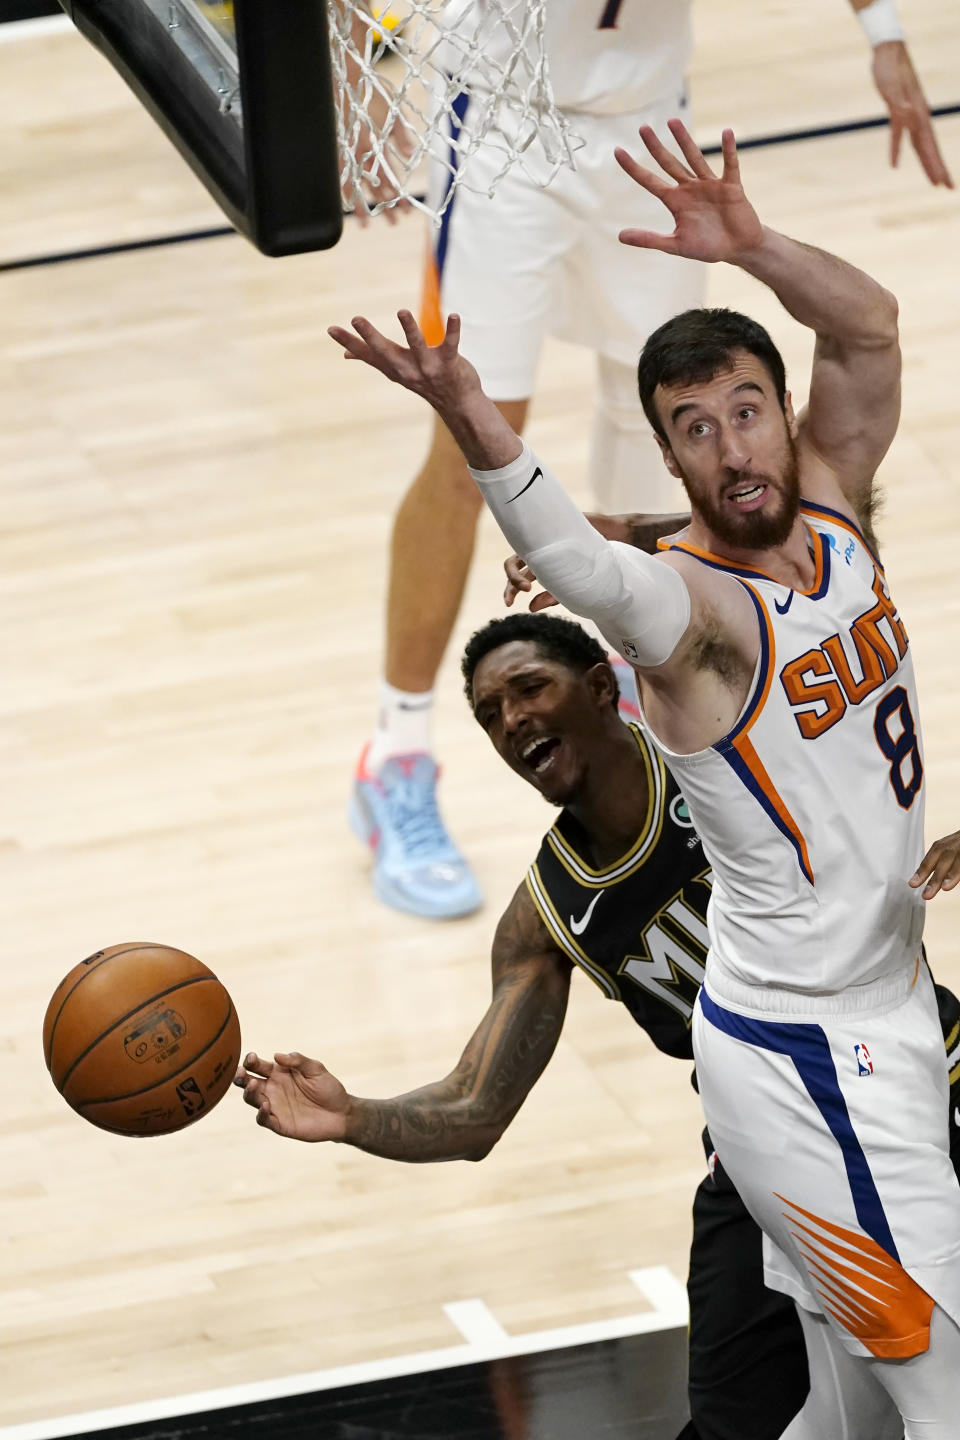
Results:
<point x="462" y="1116"/>
<point x="641" y="604"/>
<point x="854" y="401"/>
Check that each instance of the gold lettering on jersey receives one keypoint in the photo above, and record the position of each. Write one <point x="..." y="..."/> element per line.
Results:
<point x="673" y="952"/>
<point x="821" y="683"/>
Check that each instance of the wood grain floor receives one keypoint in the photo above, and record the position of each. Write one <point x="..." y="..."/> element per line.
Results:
<point x="196" y="499"/>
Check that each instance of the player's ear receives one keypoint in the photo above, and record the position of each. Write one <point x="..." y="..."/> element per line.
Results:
<point x="790" y="415"/>
<point x="668" y="458"/>
<point x="603" y="684"/>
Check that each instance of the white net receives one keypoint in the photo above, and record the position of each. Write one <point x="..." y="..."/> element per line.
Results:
<point x="402" y="76"/>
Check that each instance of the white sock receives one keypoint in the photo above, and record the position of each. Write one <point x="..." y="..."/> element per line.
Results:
<point x="404" y="724"/>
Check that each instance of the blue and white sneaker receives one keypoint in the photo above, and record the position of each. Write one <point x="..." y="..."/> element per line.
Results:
<point x="416" y="866"/>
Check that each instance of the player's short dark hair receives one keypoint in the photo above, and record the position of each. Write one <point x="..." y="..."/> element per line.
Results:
<point x="555" y="637"/>
<point x="696" y="345"/>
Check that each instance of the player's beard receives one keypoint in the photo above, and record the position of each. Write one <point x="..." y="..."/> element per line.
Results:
<point x="761" y="529"/>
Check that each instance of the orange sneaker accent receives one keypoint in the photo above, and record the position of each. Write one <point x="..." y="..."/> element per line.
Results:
<point x="871" y="1295"/>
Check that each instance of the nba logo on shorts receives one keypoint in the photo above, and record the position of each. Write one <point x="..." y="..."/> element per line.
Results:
<point x="863" y="1060"/>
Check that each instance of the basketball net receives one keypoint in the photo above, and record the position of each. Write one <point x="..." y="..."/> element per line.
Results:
<point x="402" y="73"/>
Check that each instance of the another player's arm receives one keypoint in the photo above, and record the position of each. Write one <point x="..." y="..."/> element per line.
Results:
<point x="462" y="1116"/>
<point x="854" y="403"/>
<point x="899" y="88"/>
<point x="940" y="867"/>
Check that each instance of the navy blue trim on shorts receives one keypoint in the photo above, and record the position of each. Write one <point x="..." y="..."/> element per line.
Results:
<point x="808" y="1048"/>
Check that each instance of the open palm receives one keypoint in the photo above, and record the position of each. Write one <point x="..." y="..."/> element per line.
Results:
<point x="294" y="1096"/>
<point x="713" y="219"/>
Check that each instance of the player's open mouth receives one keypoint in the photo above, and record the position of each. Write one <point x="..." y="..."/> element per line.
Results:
<point x="748" y="497"/>
<point x="537" y="754"/>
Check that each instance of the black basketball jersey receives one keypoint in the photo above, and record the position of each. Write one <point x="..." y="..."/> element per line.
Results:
<point x="637" y="927"/>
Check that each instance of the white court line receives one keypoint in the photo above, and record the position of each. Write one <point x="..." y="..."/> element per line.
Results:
<point x="27" y="29"/>
<point x="487" y="1340"/>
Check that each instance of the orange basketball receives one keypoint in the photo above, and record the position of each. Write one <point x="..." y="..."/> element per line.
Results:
<point x="141" y="1039"/>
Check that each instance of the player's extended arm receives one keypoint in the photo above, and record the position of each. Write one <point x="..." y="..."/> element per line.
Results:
<point x="641" y="604"/>
<point x="854" y="403"/>
<point x="901" y="91"/>
<point x="640" y="530"/>
<point x="462" y="1116"/>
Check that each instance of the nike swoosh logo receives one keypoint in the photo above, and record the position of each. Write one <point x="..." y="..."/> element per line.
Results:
<point x="578" y="926"/>
<point x="537" y="475"/>
<point x="782" y="609"/>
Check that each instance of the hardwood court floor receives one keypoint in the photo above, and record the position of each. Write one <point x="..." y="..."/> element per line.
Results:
<point x="197" y="495"/>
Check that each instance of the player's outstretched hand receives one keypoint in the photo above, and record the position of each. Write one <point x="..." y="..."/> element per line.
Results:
<point x="902" y="93"/>
<point x="520" y="578"/>
<point x="294" y="1096"/>
<point x="713" y="219"/>
<point x="437" y="372"/>
<point x="940" y="867"/>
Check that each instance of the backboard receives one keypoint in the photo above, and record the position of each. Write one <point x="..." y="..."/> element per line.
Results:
<point x="244" y="91"/>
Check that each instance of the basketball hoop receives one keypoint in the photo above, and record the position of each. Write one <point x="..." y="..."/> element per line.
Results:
<point x="438" y="80"/>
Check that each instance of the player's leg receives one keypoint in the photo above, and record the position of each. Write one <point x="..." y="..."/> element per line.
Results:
<point x="845" y="1402"/>
<point x="926" y="1388"/>
<point x="417" y="866"/>
<point x="494" y="263"/>
<point x="437" y="518"/>
<point x="747" y="1361"/>
<point x="627" y="472"/>
<point x="612" y="298"/>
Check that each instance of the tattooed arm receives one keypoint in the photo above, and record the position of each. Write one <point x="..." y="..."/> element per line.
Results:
<point x="462" y="1116"/>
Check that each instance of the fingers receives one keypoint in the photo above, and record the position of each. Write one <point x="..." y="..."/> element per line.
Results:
<point x="665" y="158"/>
<point x="412" y="332"/>
<point x="896" y="136"/>
<point x="691" y="150"/>
<point x="927" y="150"/>
<point x="353" y="346"/>
<point x="940" y="867"/>
<point x="255" y="1066"/>
<point x="643" y="177"/>
<point x="451" y="340"/>
<point x="731" y="161"/>
<point x="519" y="577"/>
<point x="543" y="601"/>
<point x="650" y="240"/>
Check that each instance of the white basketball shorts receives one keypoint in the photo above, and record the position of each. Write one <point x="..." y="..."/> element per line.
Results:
<point x="830" y="1115"/>
<point x="528" y="262"/>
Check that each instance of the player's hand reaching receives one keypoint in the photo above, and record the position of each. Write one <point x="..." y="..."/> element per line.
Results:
<point x="441" y="375"/>
<point x="713" y="219"/>
<point x="437" y="372"/>
<point x="295" y="1096"/>
<point x="940" y="867"/>
<point x="896" y="80"/>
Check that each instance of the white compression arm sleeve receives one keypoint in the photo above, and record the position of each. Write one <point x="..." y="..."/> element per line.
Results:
<point x="641" y="605"/>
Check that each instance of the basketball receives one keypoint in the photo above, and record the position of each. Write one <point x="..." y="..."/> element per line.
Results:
<point x="141" y="1039"/>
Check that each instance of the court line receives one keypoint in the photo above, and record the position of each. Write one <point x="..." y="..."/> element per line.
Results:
<point x="486" y="1339"/>
<point x="14" y="30"/>
<point x="183" y="237"/>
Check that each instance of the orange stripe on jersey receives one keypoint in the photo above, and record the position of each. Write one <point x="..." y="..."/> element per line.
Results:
<point x="431" y="314"/>
<point x="765" y="789"/>
<point x="736" y="568"/>
<point x="862" y="1287"/>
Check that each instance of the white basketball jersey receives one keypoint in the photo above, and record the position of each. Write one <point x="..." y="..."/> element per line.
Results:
<point x="605" y="57"/>
<point x="811" y="809"/>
